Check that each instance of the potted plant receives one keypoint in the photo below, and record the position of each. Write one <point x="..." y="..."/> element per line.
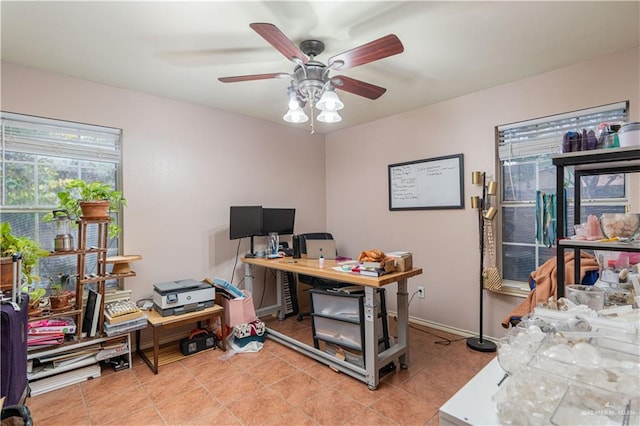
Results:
<point x="29" y="249"/>
<point x="59" y="297"/>
<point x="90" y="200"/>
<point x="34" y="300"/>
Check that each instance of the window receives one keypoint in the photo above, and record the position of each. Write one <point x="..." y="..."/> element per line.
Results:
<point x="525" y="150"/>
<point x="38" y="156"/>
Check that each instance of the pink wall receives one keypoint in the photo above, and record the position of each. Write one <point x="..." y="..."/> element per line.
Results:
<point x="184" y="165"/>
<point x="445" y="242"/>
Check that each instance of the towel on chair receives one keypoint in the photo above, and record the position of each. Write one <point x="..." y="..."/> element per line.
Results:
<point x="547" y="283"/>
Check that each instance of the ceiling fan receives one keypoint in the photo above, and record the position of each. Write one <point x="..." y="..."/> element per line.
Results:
<point x="310" y="80"/>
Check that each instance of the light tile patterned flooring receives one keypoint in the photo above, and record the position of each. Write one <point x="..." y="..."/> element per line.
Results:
<point x="276" y="386"/>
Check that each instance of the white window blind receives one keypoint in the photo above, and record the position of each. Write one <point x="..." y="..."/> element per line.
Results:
<point x="544" y="135"/>
<point x="55" y="138"/>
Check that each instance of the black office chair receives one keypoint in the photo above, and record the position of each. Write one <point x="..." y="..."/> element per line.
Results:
<point x="314" y="281"/>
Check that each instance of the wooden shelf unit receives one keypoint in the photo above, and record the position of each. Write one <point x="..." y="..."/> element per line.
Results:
<point x="100" y="277"/>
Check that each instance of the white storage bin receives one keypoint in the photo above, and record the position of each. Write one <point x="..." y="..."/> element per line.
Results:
<point x="339" y="332"/>
<point x="336" y="305"/>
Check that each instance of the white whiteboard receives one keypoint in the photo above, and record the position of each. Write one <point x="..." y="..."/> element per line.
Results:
<point x="433" y="183"/>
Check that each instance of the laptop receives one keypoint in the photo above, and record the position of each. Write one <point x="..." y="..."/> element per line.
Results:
<point x="328" y="249"/>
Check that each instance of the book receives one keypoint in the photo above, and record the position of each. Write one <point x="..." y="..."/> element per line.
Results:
<point x="96" y="315"/>
<point x="61" y="325"/>
<point x="49" y="322"/>
<point x="45" y="339"/>
<point x="91" y="313"/>
<point x="372" y="273"/>
<point x="235" y="291"/>
<point x="122" y="318"/>
<point x="369" y="272"/>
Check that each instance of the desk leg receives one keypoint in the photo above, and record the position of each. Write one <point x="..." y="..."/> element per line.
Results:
<point x="223" y="324"/>
<point x="371" y="331"/>
<point x="280" y="294"/>
<point x="402" y="299"/>
<point x="156" y="349"/>
<point x="248" y="278"/>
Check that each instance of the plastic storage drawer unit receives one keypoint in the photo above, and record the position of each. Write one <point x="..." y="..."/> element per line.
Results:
<point x="340" y="332"/>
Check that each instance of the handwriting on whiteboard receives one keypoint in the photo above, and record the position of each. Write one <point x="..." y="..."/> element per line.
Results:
<point x="433" y="183"/>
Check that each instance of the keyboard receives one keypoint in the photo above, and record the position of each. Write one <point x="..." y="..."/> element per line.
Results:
<point x="123" y="307"/>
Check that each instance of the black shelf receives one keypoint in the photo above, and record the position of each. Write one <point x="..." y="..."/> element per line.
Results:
<point x="588" y="163"/>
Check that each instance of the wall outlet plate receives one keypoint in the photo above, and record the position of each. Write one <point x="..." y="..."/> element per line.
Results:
<point x="421" y="292"/>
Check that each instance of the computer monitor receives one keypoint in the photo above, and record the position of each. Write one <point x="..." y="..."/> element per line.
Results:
<point x="245" y="221"/>
<point x="278" y="220"/>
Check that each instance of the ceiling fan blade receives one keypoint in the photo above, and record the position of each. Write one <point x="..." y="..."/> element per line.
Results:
<point x="383" y="47"/>
<point x="281" y="42"/>
<point x="358" y="87"/>
<point x="237" y="78"/>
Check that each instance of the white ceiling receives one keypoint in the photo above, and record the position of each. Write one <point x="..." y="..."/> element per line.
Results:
<point x="178" y="50"/>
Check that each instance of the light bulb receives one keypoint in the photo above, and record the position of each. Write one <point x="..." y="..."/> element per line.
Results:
<point x="329" y="117"/>
<point x="330" y="102"/>
<point x="293" y="103"/>
<point x="295" y="115"/>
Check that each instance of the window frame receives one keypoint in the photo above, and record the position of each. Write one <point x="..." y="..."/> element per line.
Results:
<point x="530" y="150"/>
<point x="47" y="144"/>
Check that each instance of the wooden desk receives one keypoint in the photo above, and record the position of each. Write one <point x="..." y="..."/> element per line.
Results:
<point x="374" y="360"/>
<point x="171" y="352"/>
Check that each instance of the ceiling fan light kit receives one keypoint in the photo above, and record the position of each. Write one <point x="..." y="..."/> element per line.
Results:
<point x="310" y="81"/>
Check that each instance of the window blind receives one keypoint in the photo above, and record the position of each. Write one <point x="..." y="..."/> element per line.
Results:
<point x="55" y="138"/>
<point x="544" y="135"/>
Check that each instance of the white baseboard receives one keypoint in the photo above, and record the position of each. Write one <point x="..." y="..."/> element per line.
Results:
<point x="177" y="334"/>
<point x="447" y="328"/>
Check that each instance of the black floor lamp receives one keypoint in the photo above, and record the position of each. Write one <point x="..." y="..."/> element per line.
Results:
<point x="485" y="212"/>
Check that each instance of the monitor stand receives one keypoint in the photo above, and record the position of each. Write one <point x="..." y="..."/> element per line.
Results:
<point x="251" y="252"/>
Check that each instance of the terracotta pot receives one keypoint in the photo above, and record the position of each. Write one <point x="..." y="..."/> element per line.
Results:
<point x="60" y="301"/>
<point x="98" y="209"/>
<point x="6" y="273"/>
<point x="34" y="312"/>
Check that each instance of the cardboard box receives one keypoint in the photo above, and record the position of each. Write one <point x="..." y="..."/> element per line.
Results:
<point x="388" y="265"/>
<point x="237" y="311"/>
<point x="404" y="261"/>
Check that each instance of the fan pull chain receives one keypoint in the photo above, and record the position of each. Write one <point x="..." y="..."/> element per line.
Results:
<point x="311" y="108"/>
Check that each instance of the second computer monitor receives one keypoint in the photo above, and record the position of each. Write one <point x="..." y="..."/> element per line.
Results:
<point x="278" y="220"/>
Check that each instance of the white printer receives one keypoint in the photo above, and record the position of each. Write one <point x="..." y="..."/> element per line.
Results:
<point x="183" y="296"/>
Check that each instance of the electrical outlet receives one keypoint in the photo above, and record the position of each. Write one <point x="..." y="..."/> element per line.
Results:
<point x="421" y="292"/>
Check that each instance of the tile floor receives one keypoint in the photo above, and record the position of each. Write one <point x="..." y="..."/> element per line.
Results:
<point x="276" y="386"/>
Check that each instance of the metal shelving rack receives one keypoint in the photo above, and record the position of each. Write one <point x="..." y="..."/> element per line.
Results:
<point x="588" y="163"/>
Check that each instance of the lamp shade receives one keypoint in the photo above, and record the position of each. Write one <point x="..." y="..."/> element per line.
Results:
<point x="329" y="117"/>
<point x="490" y="213"/>
<point x="492" y="188"/>
<point x="329" y="101"/>
<point x="295" y="115"/>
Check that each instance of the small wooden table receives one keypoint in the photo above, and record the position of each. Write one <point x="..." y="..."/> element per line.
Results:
<point x="171" y="352"/>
